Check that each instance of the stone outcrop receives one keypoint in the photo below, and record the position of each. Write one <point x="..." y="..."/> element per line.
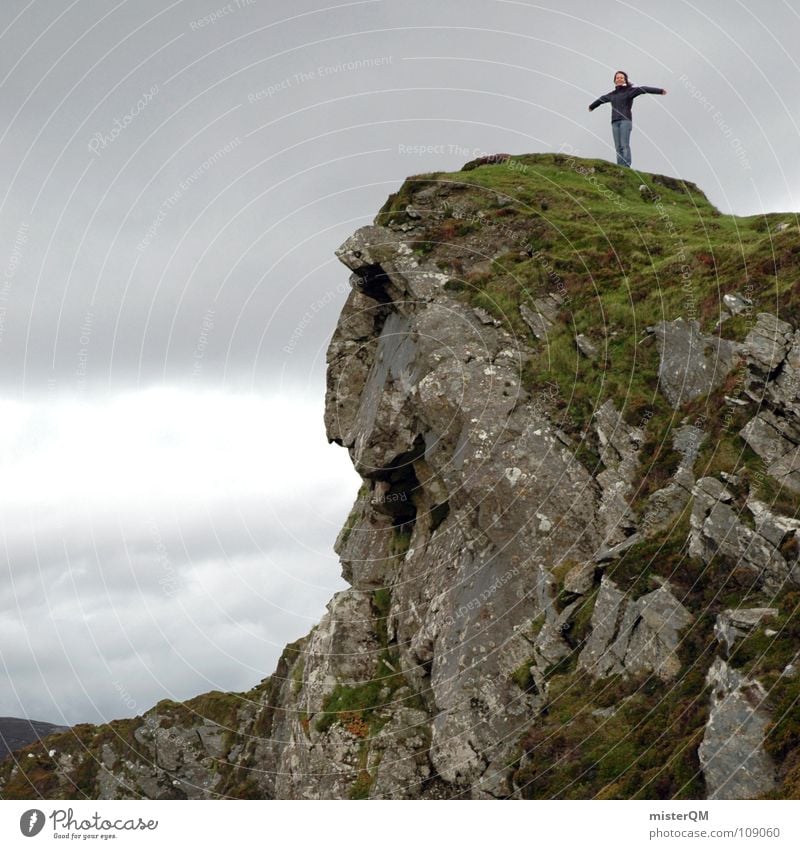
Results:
<point x="619" y="452"/>
<point x="692" y="363"/>
<point x="669" y="502"/>
<point x="717" y="528"/>
<point x="515" y="592"/>
<point x="732" y="625"/>
<point x="634" y="637"/>
<point x="772" y="348"/>
<point x="732" y="754"/>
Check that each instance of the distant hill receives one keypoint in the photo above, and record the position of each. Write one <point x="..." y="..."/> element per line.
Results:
<point x="16" y="733"/>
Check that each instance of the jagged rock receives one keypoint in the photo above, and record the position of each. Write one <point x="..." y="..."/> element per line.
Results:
<point x="773" y="349"/>
<point x="619" y="451"/>
<point x="732" y="625"/>
<point x="605" y="553"/>
<point x="424" y="678"/>
<point x="777" y="441"/>
<point x="768" y="343"/>
<point x="772" y="526"/>
<point x="634" y="637"/>
<point x="692" y="364"/>
<point x="716" y="529"/>
<point x="399" y="753"/>
<point x="580" y="579"/>
<point x="605" y="618"/>
<point x="732" y="756"/>
<point x="536" y="320"/>
<point x="550" y="645"/>
<point x="773" y="380"/>
<point x="441" y="408"/>
<point x="736" y="303"/>
<point x="365" y="543"/>
<point x="665" y="504"/>
<point x="548" y="307"/>
<point x="583" y="344"/>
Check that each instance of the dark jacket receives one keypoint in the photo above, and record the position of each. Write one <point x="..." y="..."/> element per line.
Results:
<point x="621" y="100"/>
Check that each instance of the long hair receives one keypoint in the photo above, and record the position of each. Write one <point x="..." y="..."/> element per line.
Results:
<point x="627" y="81"/>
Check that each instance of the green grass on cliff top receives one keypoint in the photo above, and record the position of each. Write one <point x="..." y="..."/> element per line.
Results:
<point x="625" y="250"/>
<point x="626" y="257"/>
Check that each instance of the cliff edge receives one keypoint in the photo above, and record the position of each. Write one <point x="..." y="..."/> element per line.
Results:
<point x="573" y="395"/>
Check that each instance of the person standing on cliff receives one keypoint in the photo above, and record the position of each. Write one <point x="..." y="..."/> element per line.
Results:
<point x="621" y="100"/>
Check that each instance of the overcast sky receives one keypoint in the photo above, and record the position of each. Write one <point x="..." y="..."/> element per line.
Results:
<point x="174" y="181"/>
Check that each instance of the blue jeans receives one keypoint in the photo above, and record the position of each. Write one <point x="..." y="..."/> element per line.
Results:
<point x="621" y="130"/>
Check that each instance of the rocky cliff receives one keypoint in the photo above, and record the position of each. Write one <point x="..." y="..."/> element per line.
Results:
<point x="571" y="392"/>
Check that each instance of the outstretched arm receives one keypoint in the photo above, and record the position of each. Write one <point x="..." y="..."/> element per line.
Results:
<point x="647" y="89"/>
<point x="604" y="99"/>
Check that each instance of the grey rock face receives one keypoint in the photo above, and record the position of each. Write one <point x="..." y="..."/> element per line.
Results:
<point x="364" y="544"/>
<point x="735" y="303"/>
<point x="773" y="380"/>
<point x="668" y="503"/>
<point x="537" y="321"/>
<point x="586" y="347"/>
<point x="423" y="678"/>
<point x="732" y="625"/>
<point x="717" y="529"/>
<point x="580" y="579"/>
<point x="768" y="343"/>
<point x="777" y="441"/>
<point x="619" y="451"/>
<point x="430" y="405"/>
<point x="772" y="526"/>
<point x="732" y="756"/>
<point x="633" y="637"/>
<point x="692" y="364"/>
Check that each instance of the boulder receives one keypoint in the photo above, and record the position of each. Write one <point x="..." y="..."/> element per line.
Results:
<point x="692" y="364"/>
<point x="634" y="636"/>
<point x="732" y="756"/>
